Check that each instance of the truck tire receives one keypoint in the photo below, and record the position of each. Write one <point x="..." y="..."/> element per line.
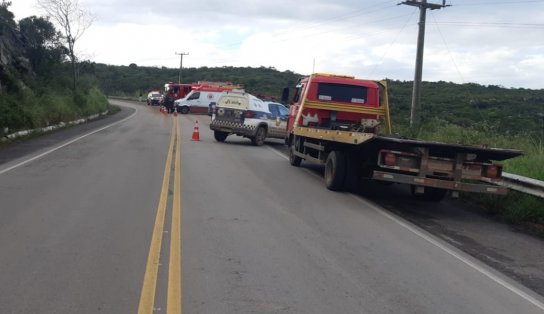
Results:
<point x="430" y="194"/>
<point x="335" y="171"/>
<point x="184" y="110"/>
<point x="294" y="160"/>
<point x="220" y="136"/>
<point x="260" y="136"/>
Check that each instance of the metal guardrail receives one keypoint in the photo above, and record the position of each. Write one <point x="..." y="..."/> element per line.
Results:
<point x="523" y="184"/>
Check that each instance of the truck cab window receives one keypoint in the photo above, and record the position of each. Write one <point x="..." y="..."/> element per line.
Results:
<point x="342" y="93"/>
<point x="298" y="89"/>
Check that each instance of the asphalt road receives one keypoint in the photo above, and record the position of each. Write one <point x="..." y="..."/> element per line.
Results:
<point x="80" y="227"/>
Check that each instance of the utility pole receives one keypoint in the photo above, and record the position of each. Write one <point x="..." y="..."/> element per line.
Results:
<point x="181" y="63"/>
<point x="423" y="6"/>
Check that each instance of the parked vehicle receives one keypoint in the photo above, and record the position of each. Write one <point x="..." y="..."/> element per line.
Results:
<point x="154" y="98"/>
<point x="336" y="121"/>
<point x="199" y="99"/>
<point x="175" y="91"/>
<point x="245" y="115"/>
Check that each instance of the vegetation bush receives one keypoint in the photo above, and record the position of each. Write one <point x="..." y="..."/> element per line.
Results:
<point x="33" y="93"/>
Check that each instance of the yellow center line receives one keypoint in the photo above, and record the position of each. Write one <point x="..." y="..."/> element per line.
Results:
<point x="147" y="296"/>
<point x="174" y="300"/>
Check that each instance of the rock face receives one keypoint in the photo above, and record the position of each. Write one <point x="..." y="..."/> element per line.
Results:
<point x="13" y="66"/>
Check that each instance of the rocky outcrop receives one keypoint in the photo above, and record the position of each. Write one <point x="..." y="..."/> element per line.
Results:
<point x="13" y="66"/>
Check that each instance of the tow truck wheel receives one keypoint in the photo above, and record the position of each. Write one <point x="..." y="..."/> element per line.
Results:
<point x="430" y="194"/>
<point x="184" y="110"/>
<point x="260" y="135"/>
<point x="294" y="160"/>
<point x="293" y="144"/>
<point x="335" y="171"/>
<point x="220" y="136"/>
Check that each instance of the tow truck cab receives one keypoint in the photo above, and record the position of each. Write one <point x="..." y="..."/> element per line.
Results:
<point x="345" y="92"/>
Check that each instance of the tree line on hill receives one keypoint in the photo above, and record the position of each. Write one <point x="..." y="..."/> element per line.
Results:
<point x="492" y="108"/>
<point x="36" y="77"/>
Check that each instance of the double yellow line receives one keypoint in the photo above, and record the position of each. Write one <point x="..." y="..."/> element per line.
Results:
<point x="174" y="298"/>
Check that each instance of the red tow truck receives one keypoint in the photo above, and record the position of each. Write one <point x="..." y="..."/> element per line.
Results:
<point x="343" y="123"/>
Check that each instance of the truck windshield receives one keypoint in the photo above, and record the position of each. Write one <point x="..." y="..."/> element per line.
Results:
<point x="342" y="93"/>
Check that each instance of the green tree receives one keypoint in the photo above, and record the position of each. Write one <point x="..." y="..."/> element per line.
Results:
<point x="42" y="41"/>
<point x="73" y="21"/>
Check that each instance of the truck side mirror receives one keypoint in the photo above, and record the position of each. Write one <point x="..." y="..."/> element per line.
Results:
<point x="285" y="94"/>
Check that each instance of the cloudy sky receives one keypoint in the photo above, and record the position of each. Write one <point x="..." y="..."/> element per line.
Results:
<point x="499" y="42"/>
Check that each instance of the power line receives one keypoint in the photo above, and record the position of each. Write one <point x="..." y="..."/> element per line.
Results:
<point x="423" y="5"/>
<point x="392" y="43"/>
<point x="297" y="29"/>
<point x="497" y="3"/>
<point x="495" y="24"/>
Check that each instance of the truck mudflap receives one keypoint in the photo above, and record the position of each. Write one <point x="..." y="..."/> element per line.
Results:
<point x="438" y="183"/>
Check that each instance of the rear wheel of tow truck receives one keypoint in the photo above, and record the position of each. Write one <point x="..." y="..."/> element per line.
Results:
<point x="184" y="110"/>
<point x="335" y="170"/>
<point x="430" y="194"/>
<point x="220" y="136"/>
<point x="294" y="160"/>
<point x="260" y="136"/>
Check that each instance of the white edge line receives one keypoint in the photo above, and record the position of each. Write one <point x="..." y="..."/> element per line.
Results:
<point x="277" y="152"/>
<point x="66" y="144"/>
<point x="429" y="238"/>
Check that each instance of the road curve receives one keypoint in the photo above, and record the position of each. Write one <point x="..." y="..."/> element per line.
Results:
<point x="257" y="235"/>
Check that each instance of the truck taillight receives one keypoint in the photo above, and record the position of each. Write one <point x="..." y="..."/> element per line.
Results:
<point x="493" y="171"/>
<point x="390" y="159"/>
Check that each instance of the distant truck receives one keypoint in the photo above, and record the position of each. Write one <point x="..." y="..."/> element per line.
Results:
<point x="175" y="91"/>
<point x="336" y="121"/>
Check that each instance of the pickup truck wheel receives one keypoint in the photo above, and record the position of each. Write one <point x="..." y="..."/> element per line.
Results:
<point x="260" y="135"/>
<point x="184" y="110"/>
<point x="335" y="171"/>
<point x="220" y="136"/>
<point x="430" y="194"/>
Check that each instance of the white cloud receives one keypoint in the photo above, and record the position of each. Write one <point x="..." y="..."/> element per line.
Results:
<point x="371" y="39"/>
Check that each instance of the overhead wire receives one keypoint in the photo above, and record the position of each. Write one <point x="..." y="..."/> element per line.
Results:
<point x="497" y="3"/>
<point x="494" y="24"/>
<point x="308" y="26"/>
<point x="392" y="43"/>
<point x="463" y="81"/>
<point x="299" y="35"/>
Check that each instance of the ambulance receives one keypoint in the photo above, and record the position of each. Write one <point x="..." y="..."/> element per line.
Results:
<point x="200" y="98"/>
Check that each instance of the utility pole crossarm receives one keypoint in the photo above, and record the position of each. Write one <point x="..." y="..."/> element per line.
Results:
<point x="425" y="4"/>
<point x="181" y="54"/>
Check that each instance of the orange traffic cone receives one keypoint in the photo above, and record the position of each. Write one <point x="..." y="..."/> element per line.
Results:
<point x="164" y="111"/>
<point x="176" y="111"/>
<point x="196" y="133"/>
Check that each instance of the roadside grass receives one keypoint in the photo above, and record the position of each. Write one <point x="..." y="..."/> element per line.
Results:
<point x="515" y="207"/>
<point x="27" y="110"/>
<point x="528" y="165"/>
